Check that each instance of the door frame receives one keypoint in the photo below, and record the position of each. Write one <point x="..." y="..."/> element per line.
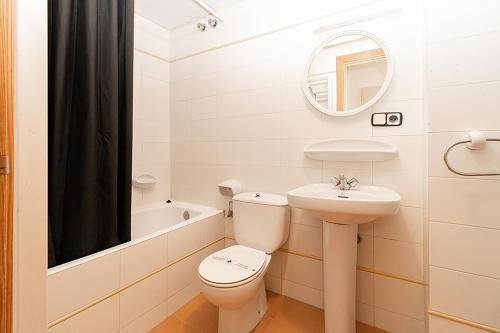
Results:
<point x="6" y="180"/>
<point x="343" y="63"/>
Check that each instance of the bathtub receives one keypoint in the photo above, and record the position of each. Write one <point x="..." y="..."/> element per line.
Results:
<point x="163" y="217"/>
<point x="151" y="221"/>
<point x="169" y="239"/>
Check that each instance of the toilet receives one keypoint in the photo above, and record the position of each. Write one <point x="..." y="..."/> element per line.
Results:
<point x="233" y="278"/>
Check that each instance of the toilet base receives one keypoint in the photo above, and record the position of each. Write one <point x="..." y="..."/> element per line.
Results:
<point x="244" y="318"/>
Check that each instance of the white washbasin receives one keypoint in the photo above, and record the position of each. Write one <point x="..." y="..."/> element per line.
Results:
<point x="358" y="205"/>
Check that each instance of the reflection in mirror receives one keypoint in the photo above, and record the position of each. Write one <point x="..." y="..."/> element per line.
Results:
<point x="346" y="73"/>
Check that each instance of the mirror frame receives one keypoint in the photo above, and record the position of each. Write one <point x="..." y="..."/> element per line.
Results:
<point x="375" y="99"/>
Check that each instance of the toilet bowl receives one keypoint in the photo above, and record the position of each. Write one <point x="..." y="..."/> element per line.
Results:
<point x="233" y="278"/>
<point x="236" y="287"/>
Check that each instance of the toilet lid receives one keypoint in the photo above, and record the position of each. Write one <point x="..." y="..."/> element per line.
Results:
<point x="231" y="265"/>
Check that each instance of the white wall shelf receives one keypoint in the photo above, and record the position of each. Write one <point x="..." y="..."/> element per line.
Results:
<point x="351" y="150"/>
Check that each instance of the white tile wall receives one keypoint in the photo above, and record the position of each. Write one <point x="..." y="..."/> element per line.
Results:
<point x="148" y="320"/>
<point x="398" y="257"/>
<point x="437" y="324"/>
<point x="399" y="296"/>
<point x="212" y="229"/>
<point x="182" y="241"/>
<point x="468" y="296"/>
<point x="365" y="313"/>
<point x="182" y="274"/>
<point x="406" y="225"/>
<point x="460" y="103"/>
<point x="364" y="287"/>
<point x="393" y="305"/>
<point x="443" y="72"/>
<point x="262" y="123"/>
<point x="182" y="297"/>
<point x="465" y="248"/>
<point x="303" y="293"/>
<point x="151" y="142"/>
<point x="474" y="20"/>
<point x="102" y="318"/>
<point x="142" y="297"/>
<point x="396" y="323"/>
<point x="154" y="249"/>
<point x="74" y="287"/>
<point x="306" y="239"/>
<point x="304" y="271"/>
<point x="463" y="74"/>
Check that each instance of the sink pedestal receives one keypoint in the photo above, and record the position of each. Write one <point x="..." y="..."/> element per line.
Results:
<point x="339" y="276"/>
<point x="341" y="211"/>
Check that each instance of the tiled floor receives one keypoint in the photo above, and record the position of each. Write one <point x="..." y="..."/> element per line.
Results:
<point x="284" y="315"/>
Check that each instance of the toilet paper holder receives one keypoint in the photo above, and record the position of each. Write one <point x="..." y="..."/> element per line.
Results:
<point x="475" y="140"/>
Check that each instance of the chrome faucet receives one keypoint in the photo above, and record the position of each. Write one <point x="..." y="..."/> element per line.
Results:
<point x="343" y="184"/>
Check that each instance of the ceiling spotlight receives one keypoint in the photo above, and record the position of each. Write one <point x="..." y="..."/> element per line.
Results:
<point x="202" y="26"/>
<point x="213" y="22"/>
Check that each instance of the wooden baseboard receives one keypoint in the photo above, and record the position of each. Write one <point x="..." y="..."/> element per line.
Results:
<point x="464" y="321"/>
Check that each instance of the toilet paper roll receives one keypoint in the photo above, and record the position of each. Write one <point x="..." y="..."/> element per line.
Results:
<point x="478" y="140"/>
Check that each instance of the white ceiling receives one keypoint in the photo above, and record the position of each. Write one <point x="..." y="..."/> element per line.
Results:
<point x="172" y="14"/>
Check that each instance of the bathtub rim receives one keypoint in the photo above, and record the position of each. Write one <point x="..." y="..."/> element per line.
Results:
<point x="205" y="212"/>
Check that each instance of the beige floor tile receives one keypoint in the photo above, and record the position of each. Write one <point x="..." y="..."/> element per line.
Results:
<point x="284" y="315"/>
<point x="261" y="327"/>
<point x="172" y="325"/>
<point x="198" y="313"/>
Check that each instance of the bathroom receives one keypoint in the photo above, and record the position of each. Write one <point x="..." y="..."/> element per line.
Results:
<point x="238" y="147"/>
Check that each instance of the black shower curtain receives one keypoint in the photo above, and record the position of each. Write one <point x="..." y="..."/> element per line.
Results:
<point x="90" y="126"/>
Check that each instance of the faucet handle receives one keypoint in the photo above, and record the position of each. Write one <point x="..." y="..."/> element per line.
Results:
<point x="335" y="181"/>
<point x="353" y="182"/>
<point x="339" y="181"/>
<point x="339" y="178"/>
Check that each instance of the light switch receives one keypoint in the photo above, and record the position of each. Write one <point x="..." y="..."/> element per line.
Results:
<point x="379" y="119"/>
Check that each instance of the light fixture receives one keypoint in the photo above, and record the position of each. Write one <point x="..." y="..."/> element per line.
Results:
<point x="201" y="26"/>
<point x="213" y="22"/>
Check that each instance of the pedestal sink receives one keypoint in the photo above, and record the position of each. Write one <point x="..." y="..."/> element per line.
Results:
<point x="341" y="212"/>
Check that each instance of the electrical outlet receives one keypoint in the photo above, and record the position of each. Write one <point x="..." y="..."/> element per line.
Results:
<point x="394" y="119"/>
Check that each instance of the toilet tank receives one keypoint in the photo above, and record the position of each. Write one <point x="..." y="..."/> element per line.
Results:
<point x="261" y="220"/>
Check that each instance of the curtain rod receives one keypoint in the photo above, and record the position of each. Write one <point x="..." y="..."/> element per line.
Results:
<point x="203" y="5"/>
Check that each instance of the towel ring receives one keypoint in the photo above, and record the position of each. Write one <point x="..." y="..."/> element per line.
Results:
<point x="469" y="174"/>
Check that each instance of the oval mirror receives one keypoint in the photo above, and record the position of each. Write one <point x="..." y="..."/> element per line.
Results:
<point x="347" y="73"/>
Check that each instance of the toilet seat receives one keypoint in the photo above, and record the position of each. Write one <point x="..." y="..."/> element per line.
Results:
<point x="233" y="266"/>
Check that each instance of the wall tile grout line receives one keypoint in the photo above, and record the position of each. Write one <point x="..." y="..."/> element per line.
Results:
<point x="464" y="272"/>
<point x="457" y="224"/>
